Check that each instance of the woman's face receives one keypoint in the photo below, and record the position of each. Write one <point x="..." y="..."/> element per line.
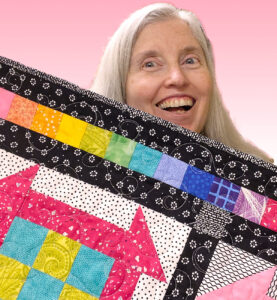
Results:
<point x="168" y="75"/>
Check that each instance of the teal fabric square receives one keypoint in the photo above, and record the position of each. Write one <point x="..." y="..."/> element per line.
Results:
<point x="145" y="160"/>
<point x="40" y="286"/>
<point x="171" y="171"/>
<point x="90" y="271"/>
<point x="23" y="241"/>
<point x="197" y="182"/>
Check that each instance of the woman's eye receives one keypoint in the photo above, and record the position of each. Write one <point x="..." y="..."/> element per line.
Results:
<point x="191" y="59"/>
<point x="148" y="64"/>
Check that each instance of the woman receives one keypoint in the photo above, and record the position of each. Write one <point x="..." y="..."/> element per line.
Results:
<point x="161" y="61"/>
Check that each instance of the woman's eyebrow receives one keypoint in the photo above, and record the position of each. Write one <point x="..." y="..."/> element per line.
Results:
<point x="148" y="53"/>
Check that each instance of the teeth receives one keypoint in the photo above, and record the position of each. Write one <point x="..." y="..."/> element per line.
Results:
<point x="176" y="102"/>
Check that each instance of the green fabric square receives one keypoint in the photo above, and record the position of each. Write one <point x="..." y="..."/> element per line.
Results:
<point x="120" y="150"/>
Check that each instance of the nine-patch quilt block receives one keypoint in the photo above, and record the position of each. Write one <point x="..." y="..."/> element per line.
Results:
<point x="99" y="200"/>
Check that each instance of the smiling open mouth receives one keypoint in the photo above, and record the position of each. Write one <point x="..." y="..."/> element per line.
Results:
<point x="176" y="104"/>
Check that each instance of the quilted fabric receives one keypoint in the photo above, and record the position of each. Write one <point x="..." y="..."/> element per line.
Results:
<point x="99" y="200"/>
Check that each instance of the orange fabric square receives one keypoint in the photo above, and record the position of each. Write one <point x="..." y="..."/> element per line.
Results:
<point x="46" y="121"/>
<point x="22" y="111"/>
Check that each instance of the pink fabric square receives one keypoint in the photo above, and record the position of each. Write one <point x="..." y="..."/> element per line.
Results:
<point x="269" y="218"/>
<point x="6" y="98"/>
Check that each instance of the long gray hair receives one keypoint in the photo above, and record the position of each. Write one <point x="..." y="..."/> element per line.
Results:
<point x="111" y="75"/>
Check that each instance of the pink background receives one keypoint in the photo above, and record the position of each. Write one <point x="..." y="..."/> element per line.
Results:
<point x="67" y="39"/>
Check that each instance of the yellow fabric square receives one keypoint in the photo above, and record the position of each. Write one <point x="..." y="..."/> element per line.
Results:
<point x="70" y="292"/>
<point x="46" y="121"/>
<point x="95" y="140"/>
<point x="71" y="131"/>
<point x="56" y="255"/>
<point x="13" y="275"/>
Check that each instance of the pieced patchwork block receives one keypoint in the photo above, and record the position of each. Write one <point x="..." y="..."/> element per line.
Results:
<point x="22" y="111"/>
<point x="120" y="150"/>
<point x="171" y="170"/>
<point x="223" y="194"/>
<point x="197" y="182"/>
<point x="48" y="265"/>
<point x="269" y="218"/>
<point x="95" y="140"/>
<point x="71" y="131"/>
<point x="250" y="205"/>
<point x="6" y="98"/>
<point x="46" y="121"/>
<point x="145" y="160"/>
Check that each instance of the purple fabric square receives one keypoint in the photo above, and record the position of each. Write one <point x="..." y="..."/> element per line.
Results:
<point x="250" y="205"/>
<point x="211" y="198"/>
<point x="214" y="188"/>
<point x="233" y="196"/>
<point x="226" y="183"/>
<point x="223" y="191"/>
<point x="236" y="187"/>
<point x="220" y="202"/>
<point x="229" y="206"/>
<point x="171" y="171"/>
<point x="217" y="179"/>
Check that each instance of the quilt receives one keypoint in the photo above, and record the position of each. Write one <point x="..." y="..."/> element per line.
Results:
<point x="99" y="200"/>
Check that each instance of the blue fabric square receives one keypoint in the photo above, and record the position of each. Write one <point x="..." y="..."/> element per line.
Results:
<point x="40" y="286"/>
<point x="197" y="182"/>
<point x="90" y="271"/>
<point x="23" y="241"/>
<point x="145" y="160"/>
<point x="171" y="171"/>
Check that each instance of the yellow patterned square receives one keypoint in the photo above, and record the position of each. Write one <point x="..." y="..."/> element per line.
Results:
<point x="46" y="121"/>
<point x="56" y="255"/>
<point x="96" y="140"/>
<point x="71" y="131"/>
<point x="69" y="292"/>
<point x="13" y="275"/>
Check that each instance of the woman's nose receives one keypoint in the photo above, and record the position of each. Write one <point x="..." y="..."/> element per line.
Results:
<point x="176" y="76"/>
